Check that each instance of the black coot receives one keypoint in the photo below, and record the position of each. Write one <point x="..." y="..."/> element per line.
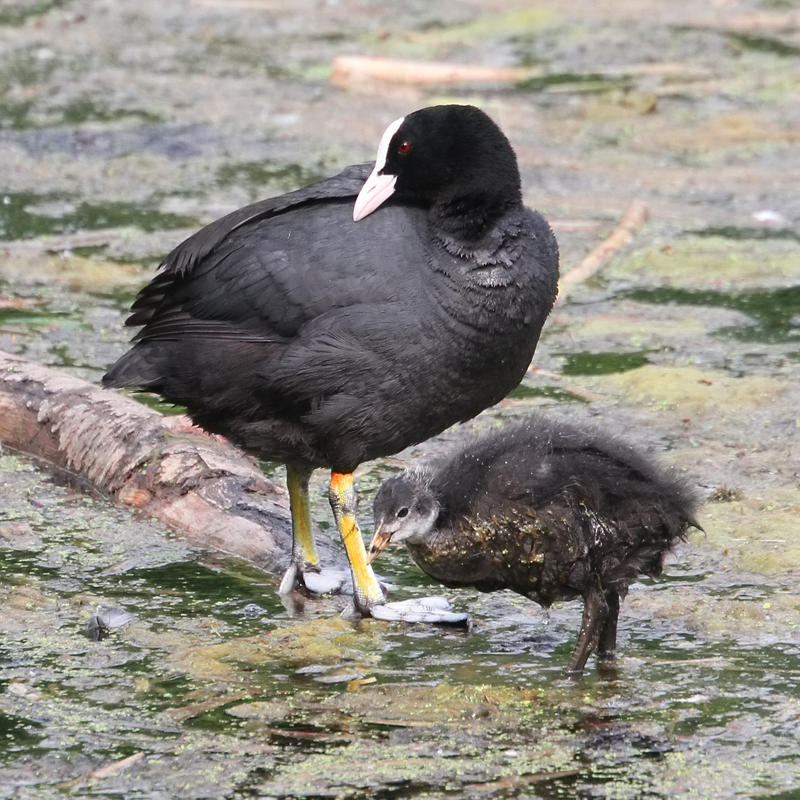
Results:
<point x="549" y="510"/>
<point x="354" y="317"/>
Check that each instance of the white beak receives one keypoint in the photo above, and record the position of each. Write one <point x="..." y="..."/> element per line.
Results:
<point x="378" y="188"/>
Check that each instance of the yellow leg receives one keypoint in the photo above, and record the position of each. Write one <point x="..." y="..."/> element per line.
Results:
<point x="366" y="589"/>
<point x="304" y="551"/>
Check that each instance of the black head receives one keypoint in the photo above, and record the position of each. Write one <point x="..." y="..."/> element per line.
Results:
<point x="452" y="158"/>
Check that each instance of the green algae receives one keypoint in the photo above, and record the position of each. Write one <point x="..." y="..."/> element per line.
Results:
<point x="456" y="722"/>
<point x="364" y="767"/>
<point x="773" y="314"/>
<point x="31" y="316"/>
<point x="599" y="363"/>
<point x="14" y="13"/>
<point x="15" y="115"/>
<point x="712" y="263"/>
<point x="627" y="328"/>
<point x="20" y="219"/>
<point x="743" y="232"/>
<point x="527" y="392"/>
<point x="87" y="109"/>
<point x="692" y="391"/>
<point x="587" y="83"/>
<point x="763" y="44"/>
<point x="317" y="642"/>
<point x="761" y="534"/>
<point x="513" y="24"/>
<point x="270" y="178"/>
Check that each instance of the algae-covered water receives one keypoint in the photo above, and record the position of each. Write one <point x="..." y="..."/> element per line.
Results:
<point x="133" y="665"/>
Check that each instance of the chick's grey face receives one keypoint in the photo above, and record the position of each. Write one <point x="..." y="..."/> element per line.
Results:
<point x="404" y="509"/>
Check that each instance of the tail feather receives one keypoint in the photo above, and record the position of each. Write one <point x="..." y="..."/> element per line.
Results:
<point x="135" y="370"/>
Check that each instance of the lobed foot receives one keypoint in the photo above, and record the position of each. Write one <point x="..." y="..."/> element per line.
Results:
<point x="317" y="581"/>
<point x="422" y="609"/>
<point x="329" y="580"/>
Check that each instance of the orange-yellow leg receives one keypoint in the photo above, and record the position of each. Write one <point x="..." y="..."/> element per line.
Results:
<point x="367" y="592"/>
<point x="304" y="551"/>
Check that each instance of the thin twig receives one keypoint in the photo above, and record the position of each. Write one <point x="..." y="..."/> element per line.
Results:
<point x="116" y="766"/>
<point x="634" y="217"/>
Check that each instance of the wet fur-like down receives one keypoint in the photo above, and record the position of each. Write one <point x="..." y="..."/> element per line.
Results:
<point x="550" y="510"/>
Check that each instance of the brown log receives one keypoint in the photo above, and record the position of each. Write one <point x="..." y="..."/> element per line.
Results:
<point x="349" y="71"/>
<point x="772" y="21"/>
<point x="201" y="486"/>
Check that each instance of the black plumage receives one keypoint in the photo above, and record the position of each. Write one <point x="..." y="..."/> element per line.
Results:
<point x="550" y="510"/>
<point x="309" y="338"/>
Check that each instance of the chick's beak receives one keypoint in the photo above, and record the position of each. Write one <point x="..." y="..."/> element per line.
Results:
<point x="380" y="541"/>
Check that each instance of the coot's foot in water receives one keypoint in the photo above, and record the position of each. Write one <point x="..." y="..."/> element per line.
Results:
<point x="316" y="581"/>
<point x="435" y="610"/>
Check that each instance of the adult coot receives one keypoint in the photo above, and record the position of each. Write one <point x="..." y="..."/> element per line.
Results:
<point x="549" y="510"/>
<point x="352" y="318"/>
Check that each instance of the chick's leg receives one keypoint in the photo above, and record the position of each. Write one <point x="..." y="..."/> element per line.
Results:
<point x="595" y="613"/>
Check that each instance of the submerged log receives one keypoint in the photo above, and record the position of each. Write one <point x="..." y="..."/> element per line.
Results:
<point x="203" y="487"/>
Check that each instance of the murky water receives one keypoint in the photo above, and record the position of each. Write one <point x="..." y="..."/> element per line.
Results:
<point x="228" y="694"/>
<point x="687" y="344"/>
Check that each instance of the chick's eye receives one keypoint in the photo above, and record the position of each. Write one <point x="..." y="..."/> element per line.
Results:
<point x="403" y="148"/>
<point x="402" y="512"/>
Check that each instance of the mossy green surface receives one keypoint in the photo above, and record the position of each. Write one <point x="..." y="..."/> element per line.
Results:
<point x="691" y="391"/>
<point x="710" y="262"/>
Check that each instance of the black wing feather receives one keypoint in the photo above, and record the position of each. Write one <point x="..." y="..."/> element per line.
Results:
<point x="180" y="282"/>
<point x="199" y="245"/>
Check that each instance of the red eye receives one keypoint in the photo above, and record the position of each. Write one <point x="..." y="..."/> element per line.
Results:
<point x="403" y="148"/>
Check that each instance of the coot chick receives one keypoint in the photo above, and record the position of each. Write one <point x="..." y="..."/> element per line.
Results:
<point x="549" y="510"/>
<point x="357" y="316"/>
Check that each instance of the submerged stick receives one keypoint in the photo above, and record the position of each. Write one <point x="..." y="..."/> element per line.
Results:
<point x="117" y="766"/>
<point x="202" y="486"/>
<point x="633" y="218"/>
